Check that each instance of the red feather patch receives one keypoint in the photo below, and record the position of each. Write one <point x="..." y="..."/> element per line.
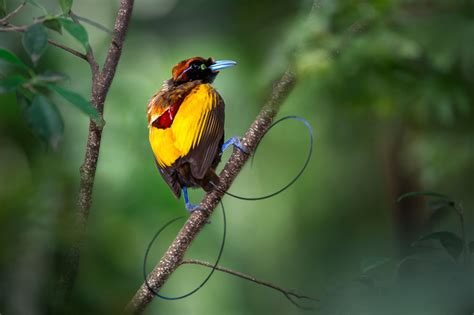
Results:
<point x="166" y="119"/>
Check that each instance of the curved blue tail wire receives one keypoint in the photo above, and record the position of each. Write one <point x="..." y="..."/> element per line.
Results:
<point x="294" y="179"/>
<point x="221" y="249"/>
<point x="219" y="255"/>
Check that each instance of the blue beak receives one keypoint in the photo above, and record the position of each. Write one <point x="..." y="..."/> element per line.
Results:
<point x="222" y="64"/>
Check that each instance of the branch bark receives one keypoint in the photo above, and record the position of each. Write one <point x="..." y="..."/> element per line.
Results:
<point x="196" y="221"/>
<point x="101" y="82"/>
<point x="289" y="294"/>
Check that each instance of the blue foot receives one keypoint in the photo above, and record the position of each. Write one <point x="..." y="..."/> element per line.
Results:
<point x="235" y="141"/>
<point x="189" y="206"/>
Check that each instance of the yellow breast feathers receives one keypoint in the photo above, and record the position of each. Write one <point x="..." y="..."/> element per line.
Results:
<point x="187" y="127"/>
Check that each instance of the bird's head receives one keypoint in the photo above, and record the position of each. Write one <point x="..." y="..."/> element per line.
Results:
<point x="198" y="68"/>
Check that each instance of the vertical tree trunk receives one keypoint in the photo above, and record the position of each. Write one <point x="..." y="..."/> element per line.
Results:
<point x="402" y="175"/>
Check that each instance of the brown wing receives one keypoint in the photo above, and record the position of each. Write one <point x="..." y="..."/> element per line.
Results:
<point x="170" y="177"/>
<point x="202" y="156"/>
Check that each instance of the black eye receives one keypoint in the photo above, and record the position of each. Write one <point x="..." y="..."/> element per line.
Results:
<point x="198" y="66"/>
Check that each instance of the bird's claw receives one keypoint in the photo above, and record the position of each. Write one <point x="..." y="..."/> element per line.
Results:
<point x="235" y="141"/>
<point x="191" y="207"/>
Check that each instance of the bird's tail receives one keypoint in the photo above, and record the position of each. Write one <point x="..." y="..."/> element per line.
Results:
<point x="210" y="180"/>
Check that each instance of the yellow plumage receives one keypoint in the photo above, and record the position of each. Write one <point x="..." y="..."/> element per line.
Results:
<point x="170" y="144"/>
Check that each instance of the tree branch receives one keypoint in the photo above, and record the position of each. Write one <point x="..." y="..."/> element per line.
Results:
<point x="100" y="87"/>
<point x="13" y="28"/>
<point x="173" y="257"/>
<point x="12" y="13"/>
<point x="68" y="49"/>
<point x="290" y="295"/>
<point x="196" y="221"/>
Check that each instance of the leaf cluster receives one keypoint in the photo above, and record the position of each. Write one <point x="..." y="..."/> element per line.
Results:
<point x="34" y="89"/>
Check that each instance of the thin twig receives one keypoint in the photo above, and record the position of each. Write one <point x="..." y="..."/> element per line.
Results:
<point x="353" y="29"/>
<point x="21" y="29"/>
<point x="290" y="295"/>
<point x="90" y="22"/>
<point x="13" y="28"/>
<point x="68" y="49"/>
<point x="12" y="13"/>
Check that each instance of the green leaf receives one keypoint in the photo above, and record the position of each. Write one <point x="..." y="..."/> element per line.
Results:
<point x="53" y="24"/>
<point x="12" y="58"/>
<point x="78" y="101"/>
<point x="38" y="5"/>
<point x="65" y="5"/>
<point x="43" y="118"/>
<point x="51" y="77"/>
<point x="77" y="31"/>
<point x="3" y="8"/>
<point x="93" y="23"/>
<point x="423" y="193"/>
<point x="10" y="84"/>
<point x="440" y="203"/>
<point x="450" y="241"/>
<point x="35" y="41"/>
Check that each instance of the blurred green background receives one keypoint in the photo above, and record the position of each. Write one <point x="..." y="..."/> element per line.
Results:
<point x="390" y="99"/>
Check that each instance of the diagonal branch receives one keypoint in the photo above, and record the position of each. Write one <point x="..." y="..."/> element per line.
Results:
<point x="173" y="256"/>
<point x="290" y="295"/>
<point x="196" y="221"/>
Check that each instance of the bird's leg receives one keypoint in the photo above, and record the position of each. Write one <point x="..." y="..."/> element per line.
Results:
<point x="235" y="141"/>
<point x="189" y="206"/>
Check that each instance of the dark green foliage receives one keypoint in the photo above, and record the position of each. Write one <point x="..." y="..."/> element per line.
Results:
<point x="11" y="83"/>
<point x="451" y="242"/>
<point x="430" y="280"/>
<point x="38" y="5"/>
<point x="65" y="5"/>
<point x="426" y="48"/>
<point x="53" y="24"/>
<point x="51" y="77"/>
<point x="43" y="118"/>
<point x="78" y="101"/>
<point x="40" y="107"/>
<point x="32" y="89"/>
<point x="12" y="59"/>
<point x="77" y="31"/>
<point x="3" y="8"/>
<point x="425" y="193"/>
<point x="35" y="41"/>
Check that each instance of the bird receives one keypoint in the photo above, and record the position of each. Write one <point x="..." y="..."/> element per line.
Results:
<point x="186" y="126"/>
